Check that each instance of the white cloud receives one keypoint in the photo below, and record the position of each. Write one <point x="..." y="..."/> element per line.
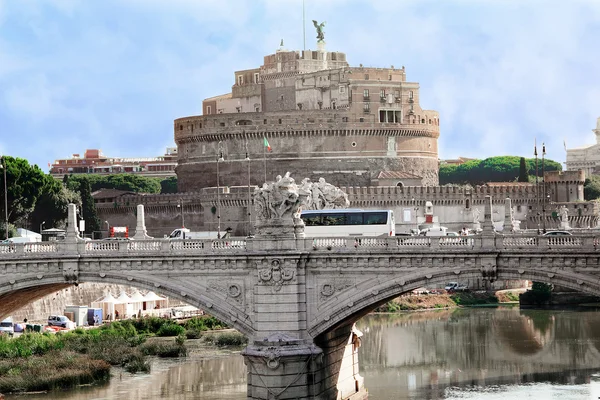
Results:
<point x="115" y="76"/>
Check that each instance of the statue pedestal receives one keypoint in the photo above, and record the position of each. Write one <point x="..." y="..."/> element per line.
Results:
<point x="321" y="46"/>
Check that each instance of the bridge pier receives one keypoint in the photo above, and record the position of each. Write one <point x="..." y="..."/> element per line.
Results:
<point x="282" y="367"/>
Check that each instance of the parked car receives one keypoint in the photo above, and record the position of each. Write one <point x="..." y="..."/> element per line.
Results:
<point x="456" y="287"/>
<point x="7" y="327"/>
<point x="60" y="320"/>
<point x="558" y="233"/>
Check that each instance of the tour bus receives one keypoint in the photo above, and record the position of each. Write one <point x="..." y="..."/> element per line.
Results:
<point x="348" y="222"/>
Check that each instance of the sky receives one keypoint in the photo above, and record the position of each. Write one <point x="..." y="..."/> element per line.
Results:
<point x="114" y="74"/>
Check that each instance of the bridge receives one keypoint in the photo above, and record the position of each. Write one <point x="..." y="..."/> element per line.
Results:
<point x="295" y="298"/>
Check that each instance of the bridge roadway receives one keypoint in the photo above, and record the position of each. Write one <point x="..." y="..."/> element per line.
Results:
<point x="295" y="299"/>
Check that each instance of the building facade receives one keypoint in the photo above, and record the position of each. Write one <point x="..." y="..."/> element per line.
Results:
<point x="319" y="117"/>
<point x="94" y="162"/>
<point x="586" y="158"/>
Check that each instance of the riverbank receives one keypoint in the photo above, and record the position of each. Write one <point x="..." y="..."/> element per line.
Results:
<point x="411" y="302"/>
<point x="46" y="362"/>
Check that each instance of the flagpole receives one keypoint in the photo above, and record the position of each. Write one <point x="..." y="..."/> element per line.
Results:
<point x="303" y="25"/>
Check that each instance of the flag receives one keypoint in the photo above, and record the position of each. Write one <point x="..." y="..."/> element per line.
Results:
<point x="267" y="145"/>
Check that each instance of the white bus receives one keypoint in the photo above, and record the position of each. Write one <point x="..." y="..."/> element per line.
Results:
<point x="347" y="222"/>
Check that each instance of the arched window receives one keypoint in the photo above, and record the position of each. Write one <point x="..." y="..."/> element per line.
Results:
<point x="400" y="184"/>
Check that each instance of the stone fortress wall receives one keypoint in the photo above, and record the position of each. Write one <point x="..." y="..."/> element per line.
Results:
<point x="454" y="206"/>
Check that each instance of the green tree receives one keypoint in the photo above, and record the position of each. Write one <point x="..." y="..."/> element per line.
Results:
<point x="169" y="185"/>
<point x="523" y="174"/>
<point x="128" y="182"/>
<point x="51" y="207"/>
<point x="25" y="183"/>
<point x="591" y="188"/>
<point x="493" y="169"/>
<point x="88" y="207"/>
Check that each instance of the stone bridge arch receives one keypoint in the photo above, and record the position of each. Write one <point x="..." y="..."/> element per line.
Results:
<point x="349" y="305"/>
<point x="20" y="290"/>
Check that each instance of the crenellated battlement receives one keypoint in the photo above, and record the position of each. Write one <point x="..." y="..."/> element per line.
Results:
<point x="577" y="177"/>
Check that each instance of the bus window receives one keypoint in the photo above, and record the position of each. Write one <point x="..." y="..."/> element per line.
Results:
<point x="354" y="219"/>
<point x="333" y="219"/>
<point x="312" y="219"/>
<point x="376" y="218"/>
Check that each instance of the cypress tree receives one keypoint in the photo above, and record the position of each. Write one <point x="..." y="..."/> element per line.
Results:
<point x="523" y="174"/>
<point x="88" y="207"/>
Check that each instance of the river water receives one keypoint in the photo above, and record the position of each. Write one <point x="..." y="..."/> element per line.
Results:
<point x="476" y="353"/>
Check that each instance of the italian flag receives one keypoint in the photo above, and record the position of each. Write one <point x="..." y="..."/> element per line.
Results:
<point x="267" y="145"/>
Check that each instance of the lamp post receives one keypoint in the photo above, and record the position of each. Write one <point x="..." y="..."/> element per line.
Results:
<point x="249" y="194"/>
<point x="537" y="188"/>
<point x="3" y="166"/>
<point x="42" y="226"/>
<point x="180" y="205"/>
<point x="219" y="159"/>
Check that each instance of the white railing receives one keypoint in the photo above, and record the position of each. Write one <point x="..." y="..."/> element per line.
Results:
<point x="160" y="247"/>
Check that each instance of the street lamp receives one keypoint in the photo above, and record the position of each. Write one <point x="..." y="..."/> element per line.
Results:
<point x="180" y="205"/>
<point x="249" y="194"/>
<point x="42" y="226"/>
<point x="219" y="160"/>
<point x="3" y="166"/>
<point x="544" y="188"/>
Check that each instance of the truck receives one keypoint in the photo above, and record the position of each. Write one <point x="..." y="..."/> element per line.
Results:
<point x="7" y="326"/>
<point x="185" y="233"/>
<point x="456" y="287"/>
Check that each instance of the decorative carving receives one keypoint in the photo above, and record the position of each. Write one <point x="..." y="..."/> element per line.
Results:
<point x="323" y="195"/>
<point x="230" y="290"/>
<point x="276" y="275"/>
<point x="332" y="286"/>
<point x="71" y="271"/>
<point x="272" y="357"/>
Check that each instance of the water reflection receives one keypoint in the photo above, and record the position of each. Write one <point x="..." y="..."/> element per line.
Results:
<point x="194" y="378"/>
<point x="450" y="354"/>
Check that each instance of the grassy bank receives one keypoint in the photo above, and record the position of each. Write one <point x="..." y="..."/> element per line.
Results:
<point x="44" y="361"/>
<point x="439" y="301"/>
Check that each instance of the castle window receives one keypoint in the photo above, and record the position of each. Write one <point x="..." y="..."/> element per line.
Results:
<point x="344" y="119"/>
<point x="280" y="120"/>
<point x="342" y="89"/>
<point x="200" y="125"/>
<point x="256" y="109"/>
<point x="180" y="127"/>
<point x="265" y="121"/>
<point x="353" y="144"/>
<point x="467" y="203"/>
<point x="361" y="119"/>
<point x="208" y="109"/>
<point x="256" y="77"/>
<point x="389" y="77"/>
<point x="366" y="77"/>
<point x="240" y="80"/>
<point x="366" y="107"/>
<point x="382" y="93"/>
<point x="222" y="124"/>
<point x="410" y="94"/>
<point x="423" y="120"/>
<point x="366" y="94"/>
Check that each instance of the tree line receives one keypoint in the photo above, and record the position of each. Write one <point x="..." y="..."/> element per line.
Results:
<point x="494" y="169"/>
<point x="35" y="198"/>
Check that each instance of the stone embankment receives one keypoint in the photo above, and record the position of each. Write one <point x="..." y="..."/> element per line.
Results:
<point x="413" y="302"/>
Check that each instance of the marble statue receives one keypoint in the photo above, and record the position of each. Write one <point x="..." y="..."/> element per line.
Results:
<point x="278" y="204"/>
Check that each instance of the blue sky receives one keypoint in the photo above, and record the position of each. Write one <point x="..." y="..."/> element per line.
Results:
<point x="113" y="74"/>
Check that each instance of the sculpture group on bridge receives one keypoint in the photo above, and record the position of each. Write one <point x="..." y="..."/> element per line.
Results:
<point x="279" y="204"/>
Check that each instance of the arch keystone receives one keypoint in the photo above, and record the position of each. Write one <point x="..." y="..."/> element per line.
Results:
<point x="457" y="272"/>
<point x="521" y="271"/>
<point x="550" y="275"/>
<point x="184" y="294"/>
<point x="130" y="278"/>
<point x="579" y="281"/>
<point x="12" y="281"/>
<point x="428" y="276"/>
<point x="102" y="274"/>
<point x="40" y="276"/>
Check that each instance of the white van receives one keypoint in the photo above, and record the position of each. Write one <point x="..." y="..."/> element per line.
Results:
<point x="7" y="326"/>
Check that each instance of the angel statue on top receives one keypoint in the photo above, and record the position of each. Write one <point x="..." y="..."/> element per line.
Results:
<point x="320" y="32"/>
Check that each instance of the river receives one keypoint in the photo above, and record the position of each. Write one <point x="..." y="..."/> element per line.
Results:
<point x="474" y="353"/>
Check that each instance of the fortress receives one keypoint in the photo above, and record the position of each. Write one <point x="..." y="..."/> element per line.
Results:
<point x="361" y="128"/>
<point x="352" y="126"/>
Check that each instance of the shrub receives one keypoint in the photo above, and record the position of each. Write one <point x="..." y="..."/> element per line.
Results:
<point x="171" y="330"/>
<point x="193" y="334"/>
<point x="226" y="339"/>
